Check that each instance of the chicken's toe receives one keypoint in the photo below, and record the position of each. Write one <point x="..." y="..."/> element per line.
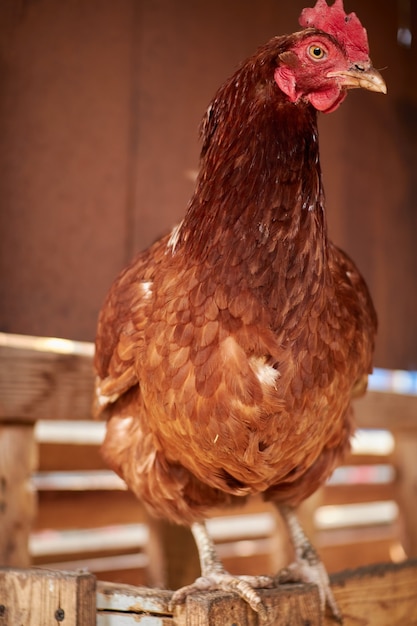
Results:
<point x="244" y="586"/>
<point x="214" y="576"/>
<point x="307" y="567"/>
<point x="304" y="571"/>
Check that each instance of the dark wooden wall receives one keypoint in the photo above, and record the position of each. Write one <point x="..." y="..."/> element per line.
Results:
<point x="99" y="112"/>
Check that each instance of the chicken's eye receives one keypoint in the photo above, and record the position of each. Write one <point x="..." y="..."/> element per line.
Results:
<point x="316" y="52"/>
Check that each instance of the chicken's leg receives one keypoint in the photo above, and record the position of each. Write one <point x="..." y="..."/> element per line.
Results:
<point x="214" y="576"/>
<point x="307" y="566"/>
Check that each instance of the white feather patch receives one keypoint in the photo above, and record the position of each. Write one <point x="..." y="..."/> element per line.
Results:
<point x="147" y="289"/>
<point x="103" y="399"/>
<point x="173" y="240"/>
<point x="266" y="374"/>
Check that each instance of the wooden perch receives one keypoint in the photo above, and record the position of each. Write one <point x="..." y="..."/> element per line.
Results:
<point x="380" y="595"/>
<point x="17" y="498"/>
<point x="39" y="597"/>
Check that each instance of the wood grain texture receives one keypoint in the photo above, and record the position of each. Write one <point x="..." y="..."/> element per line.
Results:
<point x="55" y="457"/>
<point x="17" y="499"/>
<point x="47" y="598"/>
<point x="167" y="547"/>
<point x="381" y="595"/>
<point x="405" y="455"/>
<point x="391" y="411"/>
<point x="287" y="606"/>
<point x="87" y="509"/>
<point x="44" y="385"/>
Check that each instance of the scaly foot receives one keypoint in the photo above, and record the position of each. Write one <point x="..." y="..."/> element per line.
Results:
<point x="244" y="586"/>
<point x="214" y="577"/>
<point x="307" y="566"/>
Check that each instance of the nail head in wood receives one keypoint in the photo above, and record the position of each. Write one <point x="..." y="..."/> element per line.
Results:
<point x="60" y="615"/>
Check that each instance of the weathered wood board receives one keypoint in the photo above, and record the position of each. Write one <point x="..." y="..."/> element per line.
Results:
<point x="49" y="380"/>
<point x="377" y="595"/>
<point x="17" y="498"/>
<point x="380" y="595"/>
<point x="39" y="597"/>
<point x="204" y="609"/>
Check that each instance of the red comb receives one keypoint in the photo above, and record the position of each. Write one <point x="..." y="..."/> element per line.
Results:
<point x="333" y="20"/>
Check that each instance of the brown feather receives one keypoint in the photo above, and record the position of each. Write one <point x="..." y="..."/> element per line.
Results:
<point x="228" y="352"/>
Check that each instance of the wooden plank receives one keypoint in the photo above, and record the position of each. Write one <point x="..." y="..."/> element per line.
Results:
<point x="84" y="509"/>
<point x="359" y="493"/>
<point x="87" y="509"/>
<point x="17" y="499"/>
<point x="350" y="535"/>
<point x="288" y="605"/>
<point x="40" y="384"/>
<point x="127" y="598"/>
<point x="173" y="556"/>
<point x="405" y="453"/>
<point x="39" y="597"/>
<point x="125" y="605"/>
<point x="355" y="555"/>
<point x="368" y="459"/>
<point x="66" y="457"/>
<point x="380" y="595"/>
<point x="84" y="558"/>
<point x="391" y="411"/>
<point x="212" y="608"/>
<point x="124" y="619"/>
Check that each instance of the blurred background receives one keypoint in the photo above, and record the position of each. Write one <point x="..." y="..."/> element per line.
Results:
<point x="99" y="115"/>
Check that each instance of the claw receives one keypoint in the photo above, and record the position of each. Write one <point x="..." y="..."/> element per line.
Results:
<point x="302" y="571"/>
<point x="214" y="576"/>
<point x="307" y="567"/>
<point x="244" y="586"/>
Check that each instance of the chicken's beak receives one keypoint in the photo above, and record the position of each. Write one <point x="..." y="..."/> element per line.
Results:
<point x="361" y="76"/>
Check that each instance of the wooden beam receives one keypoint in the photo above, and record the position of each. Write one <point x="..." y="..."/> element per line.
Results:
<point x="207" y="609"/>
<point x="405" y="461"/>
<point x="381" y="595"/>
<point x="37" y="597"/>
<point x="286" y="606"/>
<point x="383" y="410"/>
<point x="87" y="509"/>
<point x="358" y="492"/>
<point x="45" y="383"/>
<point x="54" y="457"/>
<point x="17" y="499"/>
<point x="378" y="595"/>
<point x="168" y="544"/>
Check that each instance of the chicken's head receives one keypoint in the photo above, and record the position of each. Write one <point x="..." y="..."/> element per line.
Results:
<point x="328" y="57"/>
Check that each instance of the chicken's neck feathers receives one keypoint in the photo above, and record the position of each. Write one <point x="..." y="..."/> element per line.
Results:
<point x="259" y="199"/>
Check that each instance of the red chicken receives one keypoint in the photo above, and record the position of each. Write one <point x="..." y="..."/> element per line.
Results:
<point x="227" y="354"/>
